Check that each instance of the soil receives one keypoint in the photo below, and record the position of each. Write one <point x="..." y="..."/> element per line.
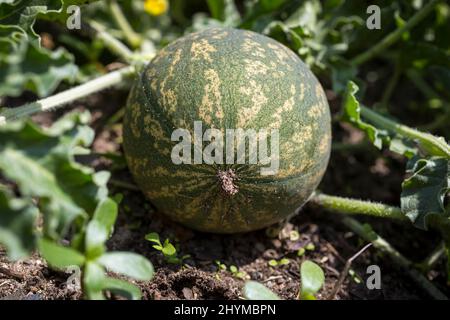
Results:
<point x="362" y="172"/>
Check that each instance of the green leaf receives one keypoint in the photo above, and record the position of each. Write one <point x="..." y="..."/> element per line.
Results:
<point x="169" y="249"/>
<point x="41" y="162"/>
<point x="96" y="236"/>
<point x="400" y="22"/>
<point x="424" y="191"/>
<point x="255" y="291"/>
<point x="24" y="64"/>
<point x="93" y="277"/>
<point x="273" y="263"/>
<point x="127" y="263"/>
<point x="271" y="5"/>
<point x="153" y="237"/>
<point x="122" y="288"/>
<point x="17" y="223"/>
<point x="352" y="114"/>
<point x="59" y="256"/>
<point x="36" y="69"/>
<point x="95" y="282"/>
<point x="106" y="214"/>
<point x="312" y="279"/>
<point x="342" y="71"/>
<point x="217" y="8"/>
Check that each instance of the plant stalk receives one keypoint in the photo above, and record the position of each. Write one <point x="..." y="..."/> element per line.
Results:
<point x="389" y="89"/>
<point x="132" y="37"/>
<point x="427" y="140"/>
<point x="384" y="246"/>
<point x="353" y="206"/>
<point x="394" y="36"/>
<point x="433" y="258"/>
<point x="429" y="93"/>
<point x="112" y="43"/>
<point x="60" y="99"/>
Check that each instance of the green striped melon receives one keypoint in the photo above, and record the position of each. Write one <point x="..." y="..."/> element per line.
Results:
<point x="227" y="79"/>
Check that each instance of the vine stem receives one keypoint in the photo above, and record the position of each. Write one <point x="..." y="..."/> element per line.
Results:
<point x="112" y="43"/>
<point x="353" y="206"/>
<point x="427" y="141"/>
<point x="381" y="244"/>
<point x="132" y="37"/>
<point x="394" y="36"/>
<point x="60" y="99"/>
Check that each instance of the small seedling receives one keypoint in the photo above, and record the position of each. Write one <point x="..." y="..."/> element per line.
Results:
<point x="310" y="246"/>
<point x="237" y="273"/>
<point x="277" y="263"/>
<point x="301" y="252"/>
<point x="166" y="248"/>
<point x="221" y="266"/>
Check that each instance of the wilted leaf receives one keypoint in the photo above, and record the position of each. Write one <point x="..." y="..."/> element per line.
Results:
<point x="424" y="191"/>
<point x="256" y="291"/>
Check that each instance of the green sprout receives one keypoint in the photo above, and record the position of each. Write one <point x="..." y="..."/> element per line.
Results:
<point x="277" y="263"/>
<point x="166" y="248"/>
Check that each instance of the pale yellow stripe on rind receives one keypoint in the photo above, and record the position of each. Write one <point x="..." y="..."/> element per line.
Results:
<point x="255" y="91"/>
<point x="211" y="105"/>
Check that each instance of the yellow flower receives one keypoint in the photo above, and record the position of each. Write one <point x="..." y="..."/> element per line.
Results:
<point x="156" y="7"/>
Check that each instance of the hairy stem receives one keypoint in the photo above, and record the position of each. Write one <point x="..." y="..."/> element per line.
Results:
<point x="384" y="246"/>
<point x="429" y="142"/>
<point x="132" y="37"/>
<point x="353" y="206"/>
<point x="112" y="43"/>
<point x="394" y="36"/>
<point x="60" y="99"/>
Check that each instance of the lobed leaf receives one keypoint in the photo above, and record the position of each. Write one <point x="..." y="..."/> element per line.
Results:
<point x="41" y="163"/>
<point x="24" y="64"/>
<point x="423" y="192"/>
